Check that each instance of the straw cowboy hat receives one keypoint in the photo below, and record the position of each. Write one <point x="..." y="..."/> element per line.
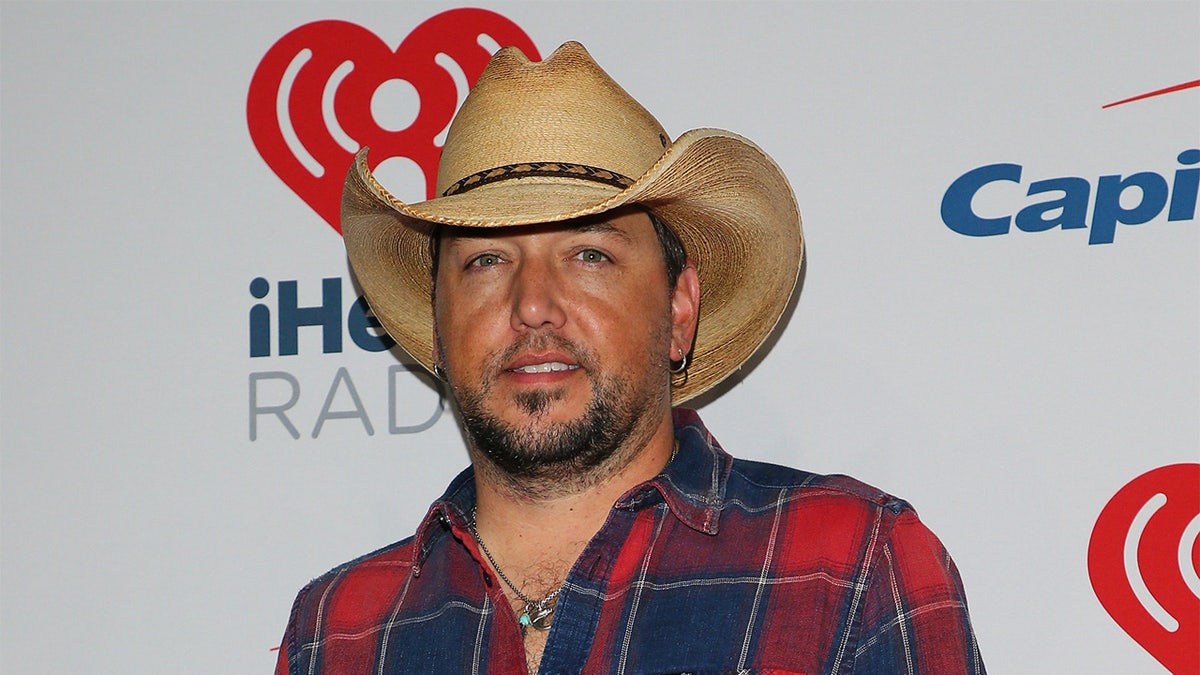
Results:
<point x="539" y="142"/>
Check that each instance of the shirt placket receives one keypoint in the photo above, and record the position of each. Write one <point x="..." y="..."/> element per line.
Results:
<point x="504" y="644"/>
<point x="577" y="615"/>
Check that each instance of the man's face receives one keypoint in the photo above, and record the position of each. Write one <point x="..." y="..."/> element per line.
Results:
<point x="556" y="339"/>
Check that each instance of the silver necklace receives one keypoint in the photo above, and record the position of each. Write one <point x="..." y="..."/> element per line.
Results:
<point x="536" y="613"/>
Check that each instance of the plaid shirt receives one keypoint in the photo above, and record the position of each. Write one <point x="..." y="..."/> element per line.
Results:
<point x="715" y="566"/>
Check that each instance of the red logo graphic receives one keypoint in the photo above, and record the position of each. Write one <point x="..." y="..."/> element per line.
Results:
<point x="1143" y="560"/>
<point x="309" y="107"/>
<point x="1156" y="92"/>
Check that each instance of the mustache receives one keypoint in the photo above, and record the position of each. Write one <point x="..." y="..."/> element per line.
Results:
<point x="543" y="342"/>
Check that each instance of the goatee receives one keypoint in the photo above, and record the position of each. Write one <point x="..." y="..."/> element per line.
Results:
<point x="540" y="458"/>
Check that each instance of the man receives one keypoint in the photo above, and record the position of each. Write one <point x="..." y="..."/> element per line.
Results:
<point x="578" y="276"/>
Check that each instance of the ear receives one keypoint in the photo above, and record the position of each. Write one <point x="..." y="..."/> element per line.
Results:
<point x="685" y="311"/>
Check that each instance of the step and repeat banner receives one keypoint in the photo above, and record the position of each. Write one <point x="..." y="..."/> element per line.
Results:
<point x="999" y="318"/>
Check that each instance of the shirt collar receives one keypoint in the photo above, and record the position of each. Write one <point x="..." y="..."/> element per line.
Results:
<point x="450" y="513"/>
<point x="692" y="485"/>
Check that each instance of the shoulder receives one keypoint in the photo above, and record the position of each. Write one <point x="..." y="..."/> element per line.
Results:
<point x="752" y="481"/>
<point x="379" y="573"/>
<point x="395" y="557"/>
<point x="814" y="517"/>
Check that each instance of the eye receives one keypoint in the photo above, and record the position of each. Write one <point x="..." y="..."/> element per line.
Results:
<point x="591" y="255"/>
<point x="485" y="260"/>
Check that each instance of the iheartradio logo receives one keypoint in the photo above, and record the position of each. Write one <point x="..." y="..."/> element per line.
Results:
<point x="330" y="87"/>
<point x="1143" y="559"/>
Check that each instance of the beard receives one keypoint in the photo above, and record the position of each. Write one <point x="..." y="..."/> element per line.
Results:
<point x="541" y="458"/>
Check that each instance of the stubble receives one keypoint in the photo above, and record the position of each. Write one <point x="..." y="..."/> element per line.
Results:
<point x="539" y="459"/>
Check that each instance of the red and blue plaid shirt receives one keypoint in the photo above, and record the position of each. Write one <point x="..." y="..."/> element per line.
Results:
<point x="717" y="565"/>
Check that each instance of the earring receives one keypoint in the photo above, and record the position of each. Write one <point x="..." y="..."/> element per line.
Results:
<point x="439" y="372"/>
<point x="683" y="363"/>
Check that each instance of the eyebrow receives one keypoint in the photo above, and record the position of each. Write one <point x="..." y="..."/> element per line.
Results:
<point x="453" y="235"/>
<point x="604" y="227"/>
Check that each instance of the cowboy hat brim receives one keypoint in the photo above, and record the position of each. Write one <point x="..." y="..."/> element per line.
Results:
<point x="726" y="200"/>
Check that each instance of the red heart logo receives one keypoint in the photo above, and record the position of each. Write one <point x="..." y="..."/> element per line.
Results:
<point x="1143" y="559"/>
<point x="309" y="104"/>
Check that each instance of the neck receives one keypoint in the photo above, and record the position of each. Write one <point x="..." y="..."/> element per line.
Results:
<point x="538" y="535"/>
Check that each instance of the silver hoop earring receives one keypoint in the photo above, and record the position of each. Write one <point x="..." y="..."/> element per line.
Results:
<point x="439" y="372"/>
<point x="683" y="363"/>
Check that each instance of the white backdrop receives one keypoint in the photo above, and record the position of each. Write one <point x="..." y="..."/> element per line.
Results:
<point x="1008" y="386"/>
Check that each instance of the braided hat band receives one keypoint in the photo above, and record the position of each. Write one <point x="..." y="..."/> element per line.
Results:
<point x="532" y="169"/>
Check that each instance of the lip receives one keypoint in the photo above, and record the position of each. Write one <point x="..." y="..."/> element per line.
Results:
<point x="551" y="367"/>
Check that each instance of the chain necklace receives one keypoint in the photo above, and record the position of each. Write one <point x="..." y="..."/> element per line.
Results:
<point x="536" y="613"/>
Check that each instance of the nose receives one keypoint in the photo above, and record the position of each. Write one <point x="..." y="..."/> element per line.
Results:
<point x="536" y="297"/>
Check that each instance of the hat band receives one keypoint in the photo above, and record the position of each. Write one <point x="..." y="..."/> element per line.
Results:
<point x="531" y="169"/>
